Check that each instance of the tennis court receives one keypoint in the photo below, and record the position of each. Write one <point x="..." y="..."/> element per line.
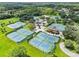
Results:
<point x="19" y="35"/>
<point x="46" y="47"/>
<point x="50" y="38"/>
<point x="24" y="32"/>
<point x="15" y="37"/>
<point x="35" y="43"/>
<point x="44" y="42"/>
<point x="16" y="25"/>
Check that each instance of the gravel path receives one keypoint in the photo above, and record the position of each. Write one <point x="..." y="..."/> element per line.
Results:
<point x="68" y="52"/>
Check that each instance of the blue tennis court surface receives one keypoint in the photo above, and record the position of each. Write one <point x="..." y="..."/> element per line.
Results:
<point x="16" y="25"/>
<point x="58" y="27"/>
<point x="50" y="38"/>
<point x="44" y="42"/>
<point x="46" y="47"/>
<point x="35" y="42"/>
<point x="15" y="37"/>
<point x="24" y="32"/>
<point x="18" y="36"/>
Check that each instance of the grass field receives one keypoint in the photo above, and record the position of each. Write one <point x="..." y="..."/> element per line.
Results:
<point x="59" y="52"/>
<point x="6" y="22"/>
<point x="7" y="45"/>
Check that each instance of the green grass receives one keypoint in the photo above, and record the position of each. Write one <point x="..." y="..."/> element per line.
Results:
<point x="59" y="52"/>
<point x="6" y="21"/>
<point x="7" y="45"/>
<point x="32" y="51"/>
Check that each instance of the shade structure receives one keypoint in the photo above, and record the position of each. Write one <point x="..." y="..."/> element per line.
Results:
<point x="59" y="27"/>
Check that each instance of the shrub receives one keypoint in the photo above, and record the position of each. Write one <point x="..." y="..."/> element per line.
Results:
<point x="69" y="44"/>
<point x="77" y="48"/>
<point x="19" y="52"/>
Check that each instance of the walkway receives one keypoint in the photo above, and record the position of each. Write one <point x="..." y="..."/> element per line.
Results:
<point x="68" y="52"/>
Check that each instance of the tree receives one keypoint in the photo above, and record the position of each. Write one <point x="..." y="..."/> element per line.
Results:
<point x="69" y="44"/>
<point x="63" y="14"/>
<point x="74" y="16"/>
<point x="70" y="32"/>
<point x="68" y="21"/>
<point x="19" y="52"/>
<point x="5" y="16"/>
<point x="46" y="10"/>
<point x="77" y="40"/>
<point x="31" y="26"/>
<point x="77" y="48"/>
<point x="77" y="37"/>
<point x="50" y="21"/>
<point x="26" y="17"/>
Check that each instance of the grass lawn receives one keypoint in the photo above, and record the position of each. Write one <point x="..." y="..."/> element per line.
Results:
<point x="32" y="51"/>
<point x="59" y="52"/>
<point x="6" y="22"/>
<point x="7" y="45"/>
